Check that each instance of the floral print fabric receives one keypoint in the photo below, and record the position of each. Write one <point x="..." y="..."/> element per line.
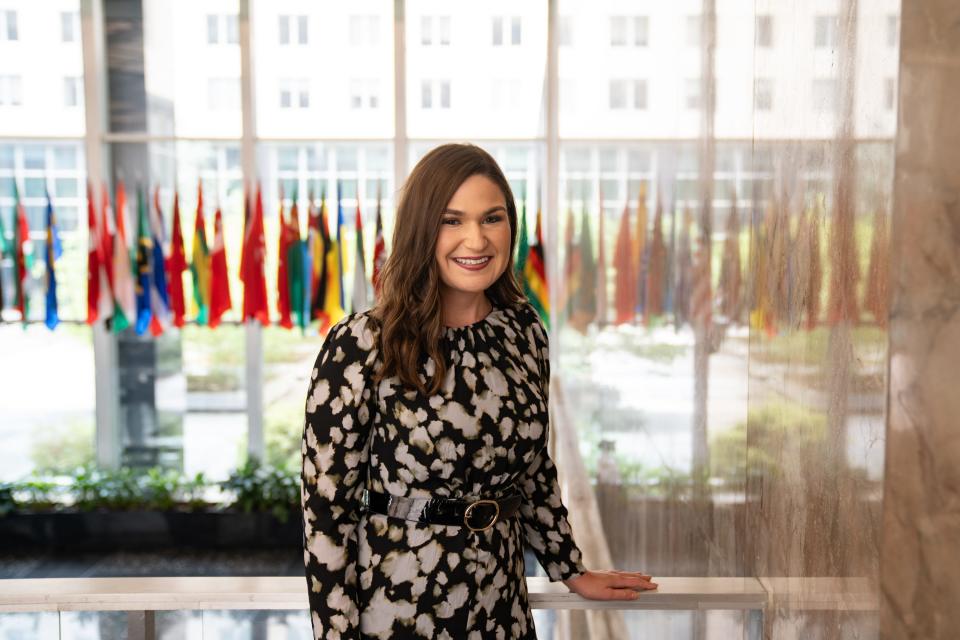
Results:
<point x="484" y="434"/>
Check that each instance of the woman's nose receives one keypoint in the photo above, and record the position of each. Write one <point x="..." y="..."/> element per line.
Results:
<point x="474" y="237"/>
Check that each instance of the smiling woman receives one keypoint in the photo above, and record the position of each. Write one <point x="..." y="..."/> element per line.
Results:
<point x="425" y="461"/>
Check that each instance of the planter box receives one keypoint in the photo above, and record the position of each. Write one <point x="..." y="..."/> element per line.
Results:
<point x="142" y="530"/>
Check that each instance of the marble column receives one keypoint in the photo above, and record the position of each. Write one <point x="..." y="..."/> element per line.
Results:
<point x="920" y="556"/>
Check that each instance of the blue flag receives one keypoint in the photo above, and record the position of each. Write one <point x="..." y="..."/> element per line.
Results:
<point x="340" y="245"/>
<point x="159" y="296"/>
<point x="53" y="252"/>
<point x="143" y="270"/>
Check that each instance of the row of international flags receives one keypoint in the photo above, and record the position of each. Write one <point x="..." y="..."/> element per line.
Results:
<point x="147" y="292"/>
<point x="143" y="288"/>
<point x="780" y="287"/>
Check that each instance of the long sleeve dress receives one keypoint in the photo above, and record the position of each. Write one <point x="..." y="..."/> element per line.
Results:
<point x="374" y="576"/>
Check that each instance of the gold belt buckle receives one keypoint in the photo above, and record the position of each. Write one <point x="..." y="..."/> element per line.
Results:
<point x="466" y="514"/>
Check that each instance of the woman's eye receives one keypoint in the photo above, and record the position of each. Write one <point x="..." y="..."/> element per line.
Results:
<point x="495" y="218"/>
<point x="448" y="220"/>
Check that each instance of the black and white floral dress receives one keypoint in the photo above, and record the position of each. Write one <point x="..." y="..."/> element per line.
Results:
<point x="374" y="576"/>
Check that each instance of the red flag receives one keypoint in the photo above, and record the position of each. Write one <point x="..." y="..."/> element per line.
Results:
<point x="21" y="256"/>
<point x="93" y="261"/>
<point x="683" y="282"/>
<point x="379" y="249"/>
<point x="571" y="272"/>
<point x="246" y="221"/>
<point x="283" y="277"/>
<point x="176" y="265"/>
<point x="106" y="237"/>
<point x="877" y="296"/>
<point x="626" y="290"/>
<point x="254" y="282"/>
<point x="219" y="282"/>
<point x="653" y="306"/>
<point x="601" y="269"/>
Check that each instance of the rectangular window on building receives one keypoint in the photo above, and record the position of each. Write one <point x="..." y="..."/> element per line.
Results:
<point x="566" y="31"/>
<point x="373" y="93"/>
<point x="426" y="95"/>
<point x="443" y="23"/>
<point x="302" y="30"/>
<point x="893" y="30"/>
<point x="284" y="27"/>
<point x="8" y="26"/>
<point x="71" y="92"/>
<point x="69" y="26"/>
<point x="426" y="30"/>
<point x="497" y="25"/>
<point x="515" y="30"/>
<point x="233" y="28"/>
<point x="213" y="29"/>
<point x="11" y="91"/>
<point x="763" y="94"/>
<point x="444" y="94"/>
<point x="825" y="31"/>
<point x="641" y="31"/>
<point x="618" y="31"/>
<point x="618" y="94"/>
<point x="356" y="94"/>
<point x="764" y="35"/>
<point x="824" y="94"/>
<point x="693" y="31"/>
<point x="639" y="94"/>
<point x="691" y="98"/>
<point x="890" y="93"/>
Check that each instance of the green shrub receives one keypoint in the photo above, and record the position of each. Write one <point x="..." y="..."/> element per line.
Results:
<point x="776" y="431"/>
<point x="261" y="488"/>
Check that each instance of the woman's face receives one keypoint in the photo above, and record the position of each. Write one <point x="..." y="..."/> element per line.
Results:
<point x="474" y="225"/>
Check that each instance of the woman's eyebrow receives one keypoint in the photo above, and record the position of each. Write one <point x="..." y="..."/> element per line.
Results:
<point x="490" y="210"/>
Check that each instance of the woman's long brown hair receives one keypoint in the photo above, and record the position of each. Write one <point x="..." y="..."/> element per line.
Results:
<point x="409" y="309"/>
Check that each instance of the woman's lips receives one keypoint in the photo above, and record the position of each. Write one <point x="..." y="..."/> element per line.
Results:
<point x="473" y="267"/>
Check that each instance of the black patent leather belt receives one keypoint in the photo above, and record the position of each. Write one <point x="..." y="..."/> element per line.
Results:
<point x="476" y="515"/>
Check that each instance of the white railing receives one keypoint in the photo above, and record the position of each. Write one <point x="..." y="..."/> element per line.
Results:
<point x="760" y="599"/>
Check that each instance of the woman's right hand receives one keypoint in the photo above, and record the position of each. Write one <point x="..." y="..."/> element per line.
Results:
<point x="610" y="584"/>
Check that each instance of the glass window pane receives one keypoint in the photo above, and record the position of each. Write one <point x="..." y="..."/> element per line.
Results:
<point x="212" y="28"/>
<point x="233" y="28"/>
<point x="67" y="33"/>
<point x="302" y="29"/>
<point x="65" y="157"/>
<point x="618" y="31"/>
<point x="34" y="156"/>
<point x="640" y="31"/>
<point x="66" y="188"/>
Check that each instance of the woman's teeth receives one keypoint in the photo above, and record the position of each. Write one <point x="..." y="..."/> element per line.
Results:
<point x="471" y="262"/>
